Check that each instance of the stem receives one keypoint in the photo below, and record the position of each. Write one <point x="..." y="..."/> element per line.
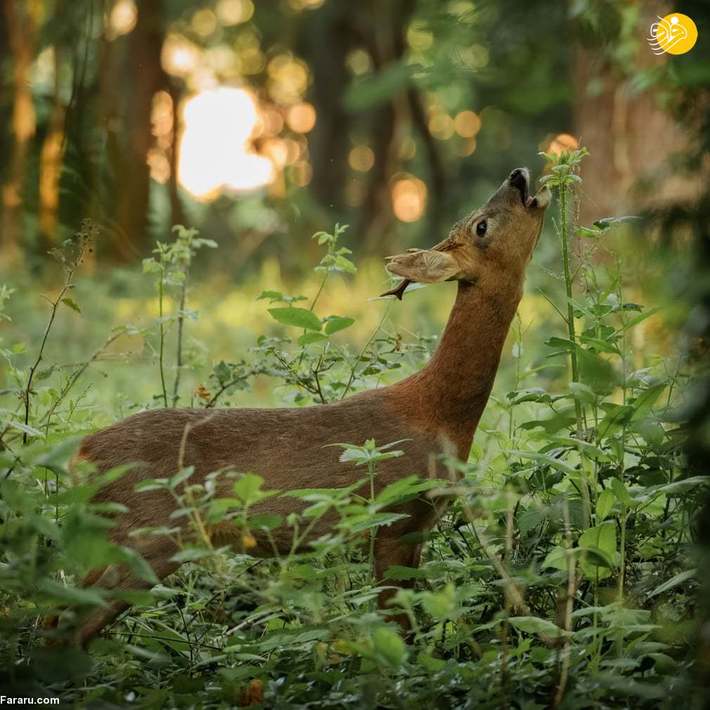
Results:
<point x="579" y="414"/>
<point x="73" y="379"/>
<point x="362" y="352"/>
<point x="516" y="382"/>
<point x="38" y="360"/>
<point x="319" y="292"/>
<point x="371" y="476"/>
<point x="180" y="325"/>
<point x="569" y="607"/>
<point x="622" y="561"/>
<point x="625" y="514"/>
<point x="564" y="233"/>
<point x="162" y="340"/>
<point x="310" y="308"/>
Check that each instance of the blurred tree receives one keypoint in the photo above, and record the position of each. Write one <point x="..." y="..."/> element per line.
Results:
<point x="419" y="107"/>
<point x="21" y="18"/>
<point x="130" y="137"/>
<point x="326" y="37"/>
<point x="622" y="112"/>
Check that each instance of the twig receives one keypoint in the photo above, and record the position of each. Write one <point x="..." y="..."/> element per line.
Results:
<point x="161" y="353"/>
<point x="74" y="378"/>
<point x="364" y="349"/>
<point x="569" y="607"/>
<point x="38" y="360"/>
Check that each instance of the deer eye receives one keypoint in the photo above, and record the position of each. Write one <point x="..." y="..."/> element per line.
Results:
<point x="481" y="228"/>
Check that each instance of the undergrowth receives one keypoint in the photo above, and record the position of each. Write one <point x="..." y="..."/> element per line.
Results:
<point x="562" y="574"/>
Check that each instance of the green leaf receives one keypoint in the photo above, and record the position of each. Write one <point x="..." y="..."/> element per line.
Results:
<point x="25" y="428"/>
<point x="678" y="488"/>
<point x="181" y="476"/>
<point x="270" y="295"/>
<point x="440" y="605"/>
<point x="605" y="502"/>
<point x="589" y="232"/>
<point x="298" y="317"/>
<point x="45" y="373"/>
<point x="389" y="647"/>
<point x="621" y="493"/>
<point x="606" y="222"/>
<point x="265" y="521"/>
<point x="71" y="303"/>
<point x="151" y="266"/>
<point x="344" y="264"/>
<point x="599" y="546"/>
<point x="368" y="521"/>
<point x="399" y="573"/>
<point x="674" y="582"/>
<point x="248" y="489"/>
<point x="191" y="554"/>
<point x="535" y="625"/>
<point x="596" y="372"/>
<point x="556" y="558"/>
<point x="71" y="595"/>
<point x="335" y="323"/>
<point x="549" y="460"/>
<point x="643" y="404"/>
<point x="311" y="337"/>
<point x="602" y="536"/>
<point x="647" y="313"/>
<point x="582" y="393"/>
<point x="404" y="489"/>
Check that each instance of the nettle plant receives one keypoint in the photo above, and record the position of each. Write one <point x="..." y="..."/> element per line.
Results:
<point x="578" y="496"/>
<point x="171" y="268"/>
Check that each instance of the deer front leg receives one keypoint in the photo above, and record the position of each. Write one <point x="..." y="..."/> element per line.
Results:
<point x="391" y="551"/>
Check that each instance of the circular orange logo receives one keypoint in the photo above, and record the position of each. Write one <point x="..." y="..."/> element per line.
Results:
<point x="673" y="34"/>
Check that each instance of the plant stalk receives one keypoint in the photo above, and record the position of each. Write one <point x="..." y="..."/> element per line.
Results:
<point x="161" y="354"/>
<point x="180" y="328"/>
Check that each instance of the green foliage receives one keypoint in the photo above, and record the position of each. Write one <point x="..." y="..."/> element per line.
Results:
<point x="561" y="573"/>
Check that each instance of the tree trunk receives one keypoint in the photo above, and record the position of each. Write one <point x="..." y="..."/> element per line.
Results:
<point x="145" y="77"/>
<point x="328" y="37"/>
<point x="21" y="31"/>
<point x="51" y="163"/>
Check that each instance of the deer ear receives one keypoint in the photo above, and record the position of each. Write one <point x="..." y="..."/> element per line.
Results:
<point x="424" y="266"/>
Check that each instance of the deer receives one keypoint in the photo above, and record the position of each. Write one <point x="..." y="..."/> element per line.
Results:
<point x="431" y="413"/>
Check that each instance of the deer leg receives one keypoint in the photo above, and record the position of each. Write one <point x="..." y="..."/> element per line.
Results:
<point x="390" y="551"/>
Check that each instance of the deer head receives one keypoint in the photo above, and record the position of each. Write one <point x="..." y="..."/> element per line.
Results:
<point x="494" y="242"/>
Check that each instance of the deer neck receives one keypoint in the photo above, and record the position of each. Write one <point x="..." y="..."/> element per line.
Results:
<point x="453" y="388"/>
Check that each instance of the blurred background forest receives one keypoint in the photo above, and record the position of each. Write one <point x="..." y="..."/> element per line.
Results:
<point x="260" y="122"/>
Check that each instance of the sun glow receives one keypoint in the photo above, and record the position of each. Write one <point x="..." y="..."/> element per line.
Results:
<point x="215" y="152"/>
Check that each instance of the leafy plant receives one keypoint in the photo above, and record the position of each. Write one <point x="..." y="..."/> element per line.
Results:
<point x="171" y="268"/>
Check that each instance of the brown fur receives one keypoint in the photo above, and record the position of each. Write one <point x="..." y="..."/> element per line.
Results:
<point x="433" y="411"/>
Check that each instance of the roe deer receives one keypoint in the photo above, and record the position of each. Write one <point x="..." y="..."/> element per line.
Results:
<point x="434" y="410"/>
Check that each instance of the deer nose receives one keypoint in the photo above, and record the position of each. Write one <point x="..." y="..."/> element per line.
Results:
<point x="519" y="177"/>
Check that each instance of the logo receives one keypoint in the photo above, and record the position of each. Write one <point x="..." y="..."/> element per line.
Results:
<point x="673" y="34"/>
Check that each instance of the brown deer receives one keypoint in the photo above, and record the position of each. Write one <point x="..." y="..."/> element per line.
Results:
<point x="434" y="410"/>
